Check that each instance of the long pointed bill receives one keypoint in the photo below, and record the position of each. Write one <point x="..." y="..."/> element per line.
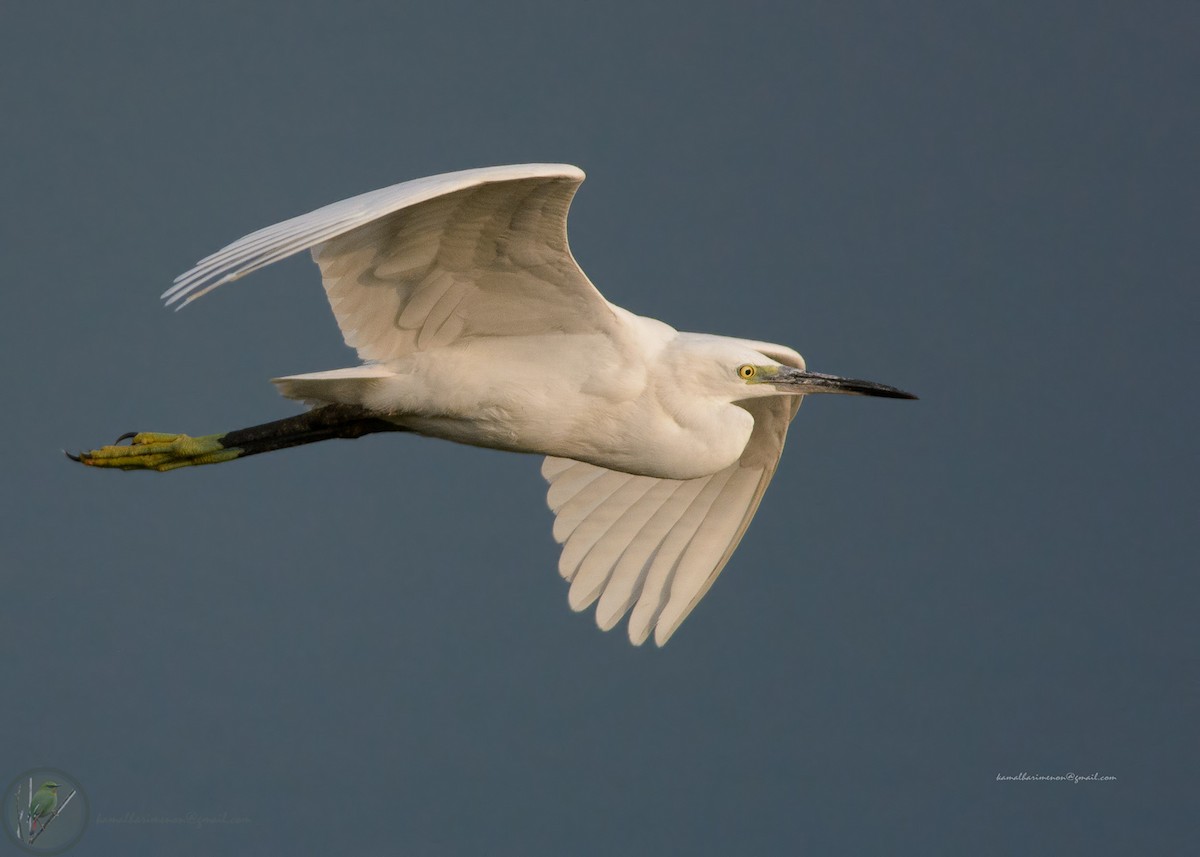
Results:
<point x="804" y="383"/>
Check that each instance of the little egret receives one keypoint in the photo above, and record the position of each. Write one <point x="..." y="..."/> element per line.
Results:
<point x="475" y="324"/>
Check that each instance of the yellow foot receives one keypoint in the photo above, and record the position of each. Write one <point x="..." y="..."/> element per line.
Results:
<point x="156" y="451"/>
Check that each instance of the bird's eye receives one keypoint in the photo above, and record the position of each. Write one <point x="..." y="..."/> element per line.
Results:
<point x="747" y="372"/>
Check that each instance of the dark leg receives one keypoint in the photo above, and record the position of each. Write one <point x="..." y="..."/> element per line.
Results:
<point x="324" y="423"/>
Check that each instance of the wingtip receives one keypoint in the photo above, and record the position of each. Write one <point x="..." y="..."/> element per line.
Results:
<point x="605" y="620"/>
<point x="566" y="170"/>
<point x="637" y="635"/>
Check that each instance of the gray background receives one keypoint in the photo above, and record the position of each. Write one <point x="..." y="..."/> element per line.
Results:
<point x="366" y="645"/>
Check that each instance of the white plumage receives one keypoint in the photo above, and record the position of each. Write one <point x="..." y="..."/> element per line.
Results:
<point x="478" y="326"/>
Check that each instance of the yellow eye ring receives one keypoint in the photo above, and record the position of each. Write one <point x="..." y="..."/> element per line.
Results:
<point x="747" y="371"/>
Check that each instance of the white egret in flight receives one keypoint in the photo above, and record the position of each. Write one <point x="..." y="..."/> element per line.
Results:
<point x="475" y="324"/>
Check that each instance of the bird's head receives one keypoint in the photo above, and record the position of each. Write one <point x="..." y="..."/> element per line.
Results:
<point x="49" y="784"/>
<point x="743" y="370"/>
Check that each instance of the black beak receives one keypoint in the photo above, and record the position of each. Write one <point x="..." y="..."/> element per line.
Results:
<point x="805" y="383"/>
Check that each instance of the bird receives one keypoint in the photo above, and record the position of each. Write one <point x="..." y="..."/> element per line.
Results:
<point x="45" y="799"/>
<point x="474" y="323"/>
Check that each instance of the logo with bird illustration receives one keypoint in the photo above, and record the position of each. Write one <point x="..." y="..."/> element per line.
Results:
<point x="46" y="811"/>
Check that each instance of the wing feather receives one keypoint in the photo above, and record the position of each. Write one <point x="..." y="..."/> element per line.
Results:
<point x="629" y="572"/>
<point x="722" y="529"/>
<point x="570" y="482"/>
<point x="593" y="528"/>
<point x="656" y="588"/>
<point x="598" y="567"/>
<point x="425" y="263"/>
<point x="552" y="468"/>
<point x="576" y="510"/>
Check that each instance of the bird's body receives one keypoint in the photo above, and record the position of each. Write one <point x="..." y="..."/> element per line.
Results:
<point x="477" y="326"/>
<point x="630" y="410"/>
<point x="45" y="801"/>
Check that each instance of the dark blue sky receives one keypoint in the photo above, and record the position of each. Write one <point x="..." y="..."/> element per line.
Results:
<point x="366" y="645"/>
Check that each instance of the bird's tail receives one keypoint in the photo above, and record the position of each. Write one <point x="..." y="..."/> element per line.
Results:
<point x="336" y="387"/>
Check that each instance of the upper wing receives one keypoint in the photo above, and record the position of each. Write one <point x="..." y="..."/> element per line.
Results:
<point x="657" y="545"/>
<point x="420" y="264"/>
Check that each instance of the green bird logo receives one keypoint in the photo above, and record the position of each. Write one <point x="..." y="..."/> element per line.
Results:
<point x="45" y="799"/>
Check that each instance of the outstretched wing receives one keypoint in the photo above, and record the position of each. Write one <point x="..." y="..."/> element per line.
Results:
<point x="657" y="545"/>
<point x="424" y="263"/>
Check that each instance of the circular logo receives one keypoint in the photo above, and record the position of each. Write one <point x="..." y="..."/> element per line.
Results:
<point x="45" y="811"/>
